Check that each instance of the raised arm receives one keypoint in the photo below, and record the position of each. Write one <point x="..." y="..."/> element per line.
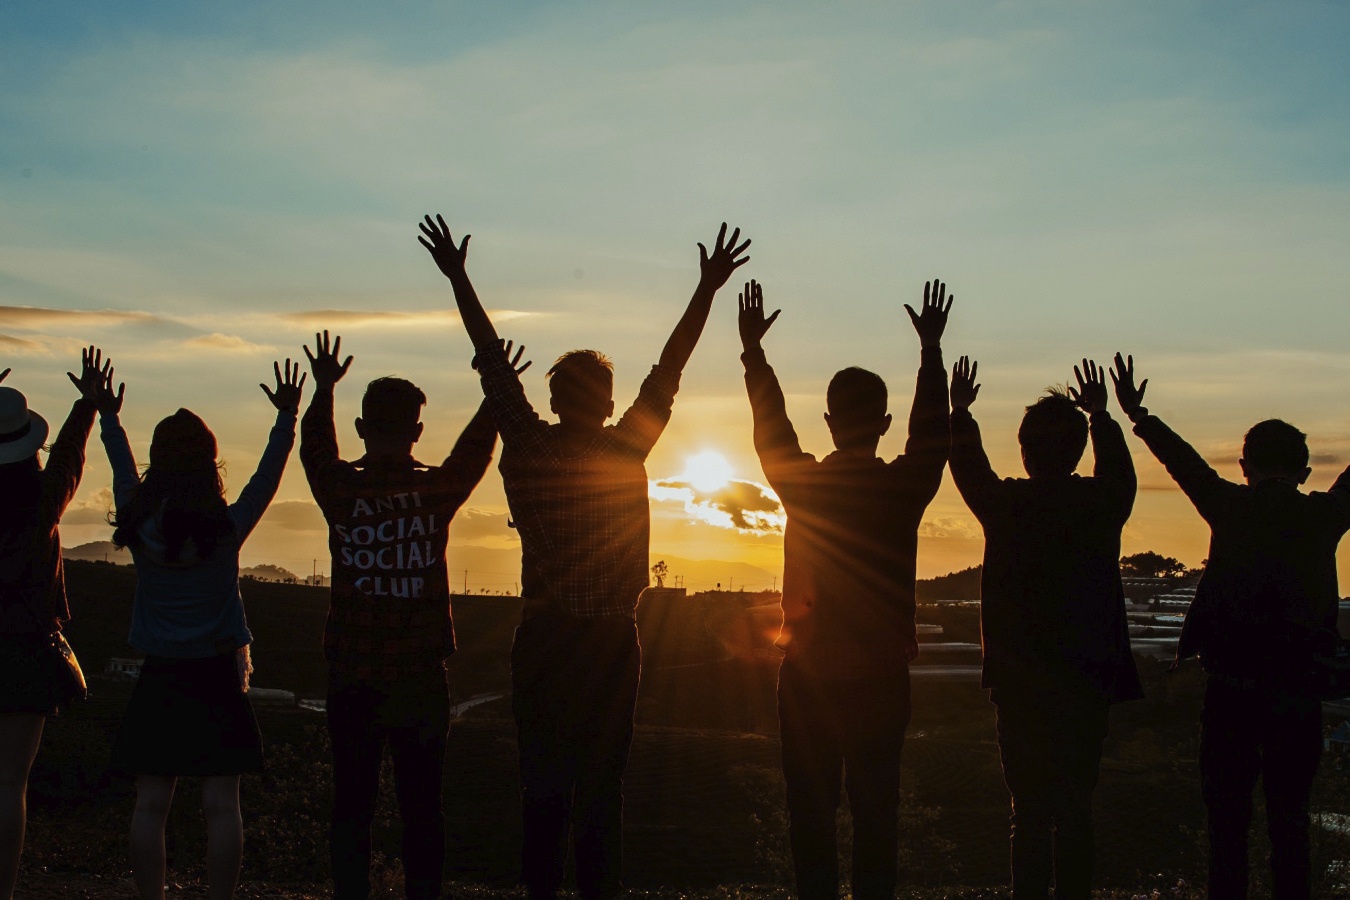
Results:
<point x="1196" y="478"/>
<point x="715" y="269"/>
<point x="262" y="487"/>
<point x="929" y="440"/>
<point x="450" y="258"/>
<point x="472" y="454"/>
<point x="776" y="440"/>
<point x="318" y="436"/>
<point x="1112" y="465"/>
<point x="974" y="476"/>
<point x="65" y="462"/>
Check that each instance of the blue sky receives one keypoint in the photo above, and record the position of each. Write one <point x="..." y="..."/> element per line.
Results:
<point x="193" y="183"/>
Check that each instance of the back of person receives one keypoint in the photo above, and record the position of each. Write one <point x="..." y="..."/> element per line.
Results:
<point x="1052" y="608"/>
<point x="1269" y="594"/>
<point x="388" y="532"/>
<point x="584" y="518"/>
<point x="849" y="563"/>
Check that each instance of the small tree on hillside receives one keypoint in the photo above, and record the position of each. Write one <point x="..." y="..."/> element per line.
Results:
<point x="659" y="572"/>
<point x="1151" y="565"/>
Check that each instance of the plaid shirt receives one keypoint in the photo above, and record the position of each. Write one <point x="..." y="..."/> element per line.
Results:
<point x="582" y="514"/>
<point x="389" y="604"/>
<point x="851" y="540"/>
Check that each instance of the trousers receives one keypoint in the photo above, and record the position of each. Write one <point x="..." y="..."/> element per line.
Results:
<point x="1246" y="734"/>
<point x="412" y="717"/>
<point x="1051" y="749"/>
<point x="574" y="689"/>
<point x="855" y="728"/>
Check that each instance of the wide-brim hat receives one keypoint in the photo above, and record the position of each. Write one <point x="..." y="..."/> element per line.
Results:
<point x="22" y="431"/>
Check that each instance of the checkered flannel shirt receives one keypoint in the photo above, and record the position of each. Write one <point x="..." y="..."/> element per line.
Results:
<point x="583" y="517"/>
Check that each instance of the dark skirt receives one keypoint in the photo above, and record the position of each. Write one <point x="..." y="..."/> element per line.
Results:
<point x="188" y="717"/>
<point x="31" y="679"/>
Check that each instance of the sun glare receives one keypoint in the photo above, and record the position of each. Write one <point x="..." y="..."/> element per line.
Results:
<point x="707" y="471"/>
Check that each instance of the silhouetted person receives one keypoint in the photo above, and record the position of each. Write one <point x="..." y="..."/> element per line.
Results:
<point x="578" y="495"/>
<point x="189" y="714"/>
<point x="32" y="586"/>
<point x="1052" y="616"/>
<point x="1265" y="606"/>
<point x="389" y="629"/>
<point x="848" y="633"/>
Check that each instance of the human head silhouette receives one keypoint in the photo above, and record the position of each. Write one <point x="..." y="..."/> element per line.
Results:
<point x="856" y="409"/>
<point x="1053" y="435"/>
<point x="1275" y="449"/>
<point x="581" y="388"/>
<point x="390" y="417"/>
<point x="182" y="443"/>
<point x="182" y="487"/>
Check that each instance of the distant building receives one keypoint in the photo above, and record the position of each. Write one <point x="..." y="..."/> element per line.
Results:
<point x="124" y="668"/>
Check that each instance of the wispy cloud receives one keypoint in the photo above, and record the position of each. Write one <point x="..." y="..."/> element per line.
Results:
<point x="229" y="343"/>
<point x="334" y="318"/>
<point x="35" y="317"/>
<point x="21" y="345"/>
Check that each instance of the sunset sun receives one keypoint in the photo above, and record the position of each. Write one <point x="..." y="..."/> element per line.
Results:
<point x="707" y="471"/>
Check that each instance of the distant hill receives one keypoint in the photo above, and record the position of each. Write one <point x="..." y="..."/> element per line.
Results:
<point x="955" y="587"/>
<point x="98" y="551"/>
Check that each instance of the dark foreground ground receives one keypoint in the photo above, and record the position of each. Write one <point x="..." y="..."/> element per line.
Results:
<point x="705" y="815"/>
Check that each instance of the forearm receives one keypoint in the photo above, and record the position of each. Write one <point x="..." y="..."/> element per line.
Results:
<point x="929" y="430"/>
<point x="472" y="314"/>
<point x="974" y="476"/>
<point x="262" y="487"/>
<point x="680" y="346"/>
<point x="1111" y="455"/>
<point x="774" y="435"/>
<point x="318" y="436"/>
<point x="120" y="458"/>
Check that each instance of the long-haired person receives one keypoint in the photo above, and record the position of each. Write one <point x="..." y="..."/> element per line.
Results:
<point x="32" y="586"/>
<point x="189" y="713"/>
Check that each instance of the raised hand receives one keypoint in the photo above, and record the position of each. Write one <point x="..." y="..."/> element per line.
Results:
<point x="94" y="372"/>
<point x="1091" y="393"/>
<point x="718" y="266"/>
<point x="325" y="366"/>
<point x="287" y="393"/>
<point x="1122" y="376"/>
<point x="106" y="401"/>
<point x="751" y="319"/>
<point x="964" y="389"/>
<point x="515" y="362"/>
<point x="441" y="246"/>
<point x="933" y="320"/>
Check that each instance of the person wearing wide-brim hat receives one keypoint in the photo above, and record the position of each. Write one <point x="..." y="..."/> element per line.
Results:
<point x="32" y="584"/>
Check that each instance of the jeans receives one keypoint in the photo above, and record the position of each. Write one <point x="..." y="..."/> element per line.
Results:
<point x="1246" y="733"/>
<point x="1051" y="748"/>
<point x="412" y="715"/>
<point x="574" y="689"/>
<point x="857" y="727"/>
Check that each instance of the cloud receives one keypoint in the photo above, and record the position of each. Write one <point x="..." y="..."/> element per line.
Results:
<point x="228" y="342"/>
<point x="742" y="505"/>
<point x="21" y="345"/>
<point x="32" y="317"/>
<point x="93" y="511"/>
<point x="296" y="515"/>
<point x="483" y="527"/>
<point x="335" y="318"/>
<point x="951" y="527"/>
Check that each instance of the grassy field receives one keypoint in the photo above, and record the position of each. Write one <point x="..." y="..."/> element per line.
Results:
<point x="705" y="814"/>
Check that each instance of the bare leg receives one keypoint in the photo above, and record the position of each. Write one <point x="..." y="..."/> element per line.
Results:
<point x="20" y="734"/>
<point x="224" y="834"/>
<point x="154" y="796"/>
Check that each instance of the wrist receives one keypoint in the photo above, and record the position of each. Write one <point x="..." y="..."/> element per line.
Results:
<point x="1139" y="412"/>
